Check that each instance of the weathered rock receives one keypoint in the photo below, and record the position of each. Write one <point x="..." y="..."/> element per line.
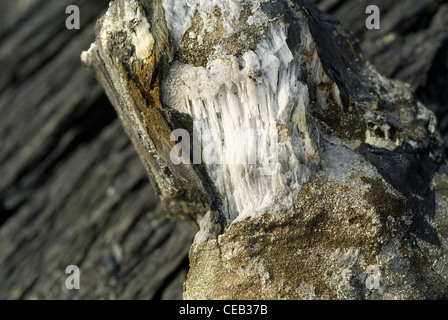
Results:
<point x="72" y="189"/>
<point x="350" y="203"/>
<point x="411" y="45"/>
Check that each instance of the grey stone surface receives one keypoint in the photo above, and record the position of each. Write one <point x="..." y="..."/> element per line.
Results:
<point x="356" y="208"/>
<point x="411" y="45"/>
<point x="73" y="191"/>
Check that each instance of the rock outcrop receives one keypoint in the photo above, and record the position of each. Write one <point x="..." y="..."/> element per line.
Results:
<point x="310" y="174"/>
<point x="73" y="190"/>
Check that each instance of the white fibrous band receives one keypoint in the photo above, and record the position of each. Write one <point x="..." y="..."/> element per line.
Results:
<point x="249" y="111"/>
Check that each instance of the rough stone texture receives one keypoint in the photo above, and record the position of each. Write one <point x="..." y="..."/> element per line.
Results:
<point x="72" y="189"/>
<point x="71" y="181"/>
<point x="368" y="216"/>
<point x="412" y="45"/>
<point x="130" y="69"/>
<point x="336" y="244"/>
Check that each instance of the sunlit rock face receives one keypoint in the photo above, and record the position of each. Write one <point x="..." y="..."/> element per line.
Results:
<point x="249" y="98"/>
<point x="309" y="174"/>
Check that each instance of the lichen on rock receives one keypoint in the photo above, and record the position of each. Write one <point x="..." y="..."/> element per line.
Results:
<point x="351" y="204"/>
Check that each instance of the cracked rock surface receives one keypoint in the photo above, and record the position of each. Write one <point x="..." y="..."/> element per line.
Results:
<point x="73" y="190"/>
<point x="353" y="203"/>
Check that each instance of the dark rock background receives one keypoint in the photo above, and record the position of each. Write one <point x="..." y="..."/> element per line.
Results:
<point x="72" y="188"/>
